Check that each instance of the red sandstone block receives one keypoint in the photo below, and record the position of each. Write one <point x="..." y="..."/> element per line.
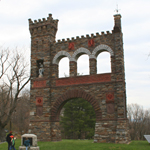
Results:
<point x="84" y="79"/>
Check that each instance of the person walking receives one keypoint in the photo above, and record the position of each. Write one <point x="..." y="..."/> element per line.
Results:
<point x="12" y="146"/>
<point x="8" y="139"/>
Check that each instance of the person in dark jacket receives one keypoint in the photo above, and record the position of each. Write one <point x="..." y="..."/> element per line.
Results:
<point x="27" y="143"/>
<point x="8" y="139"/>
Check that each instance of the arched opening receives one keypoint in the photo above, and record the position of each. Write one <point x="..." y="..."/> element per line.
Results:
<point x="63" y="68"/>
<point x="77" y="120"/>
<point x="83" y="65"/>
<point x="61" y="101"/>
<point x="104" y="62"/>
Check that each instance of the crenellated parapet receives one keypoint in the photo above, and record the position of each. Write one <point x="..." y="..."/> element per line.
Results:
<point x="43" y="27"/>
<point x="108" y="33"/>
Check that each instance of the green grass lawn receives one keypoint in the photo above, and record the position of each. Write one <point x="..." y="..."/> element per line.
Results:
<point x="84" y="145"/>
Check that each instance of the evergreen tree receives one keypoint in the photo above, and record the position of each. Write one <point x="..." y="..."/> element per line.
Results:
<point x="78" y="119"/>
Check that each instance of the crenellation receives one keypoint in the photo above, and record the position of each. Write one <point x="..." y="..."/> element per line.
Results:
<point x="92" y="35"/>
<point x="42" y="25"/>
<point x="97" y="34"/>
<point x="102" y="33"/>
<point x="30" y="21"/>
<point x="50" y="16"/>
<point x="43" y="19"/>
<point x="107" y="32"/>
<point x="84" y="37"/>
<point x="87" y="36"/>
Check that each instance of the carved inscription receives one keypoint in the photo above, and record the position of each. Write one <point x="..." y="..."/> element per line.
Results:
<point x="110" y="108"/>
<point x="40" y="83"/>
<point x="39" y="110"/>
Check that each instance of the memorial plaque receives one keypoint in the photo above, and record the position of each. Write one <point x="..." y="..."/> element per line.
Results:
<point x="110" y="108"/>
<point x="147" y="138"/>
<point x="39" y="110"/>
<point x="33" y="142"/>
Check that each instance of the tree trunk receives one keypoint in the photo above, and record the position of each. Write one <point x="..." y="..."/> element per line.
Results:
<point x="2" y="134"/>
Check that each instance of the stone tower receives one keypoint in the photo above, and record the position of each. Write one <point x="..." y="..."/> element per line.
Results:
<point x="49" y="93"/>
<point x="43" y="34"/>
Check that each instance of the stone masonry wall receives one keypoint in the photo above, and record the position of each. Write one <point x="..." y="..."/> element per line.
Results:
<point x="105" y="92"/>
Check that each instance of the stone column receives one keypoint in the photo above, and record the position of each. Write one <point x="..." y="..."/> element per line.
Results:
<point x="55" y="131"/>
<point x="73" y="68"/>
<point x="93" y="66"/>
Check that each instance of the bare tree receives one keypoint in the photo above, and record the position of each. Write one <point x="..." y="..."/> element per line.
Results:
<point x="20" y="117"/>
<point x="14" y="75"/>
<point x="139" y="121"/>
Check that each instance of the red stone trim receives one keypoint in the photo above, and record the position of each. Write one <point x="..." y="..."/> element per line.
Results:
<point x="39" y="101"/>
<point x="76" y="85"/>
<point x="91" y="42"/>
<point x="55" y="111"/>
<point x="39" y="84"/>
<point x="110" y="97"/>
<point x="84" y="79"/>
<point x="71" y="46"/>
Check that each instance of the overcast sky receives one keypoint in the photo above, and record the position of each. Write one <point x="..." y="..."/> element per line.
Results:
<point x="81" y="17"/>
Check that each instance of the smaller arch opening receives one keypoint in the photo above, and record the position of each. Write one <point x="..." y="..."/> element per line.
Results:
<point x="83" y="65"/>
<point x="103" y="62"/>
<point x="63" y="68"/>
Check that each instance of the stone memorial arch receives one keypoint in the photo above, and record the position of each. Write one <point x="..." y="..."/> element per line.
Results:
<point x="105" y="92"/>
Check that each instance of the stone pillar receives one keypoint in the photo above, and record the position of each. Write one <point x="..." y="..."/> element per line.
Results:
<point x="55" y="131"/>
<point x="122" y="131"/>
<point x="113" y="69"/>
<point x="93" y="66"/>
<point x="73" y="68"/>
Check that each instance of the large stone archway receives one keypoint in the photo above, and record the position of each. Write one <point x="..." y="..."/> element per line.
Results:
<point x="105" y="92"/>
<point x="70" y="94"/>
<point x="60" y="102"/>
